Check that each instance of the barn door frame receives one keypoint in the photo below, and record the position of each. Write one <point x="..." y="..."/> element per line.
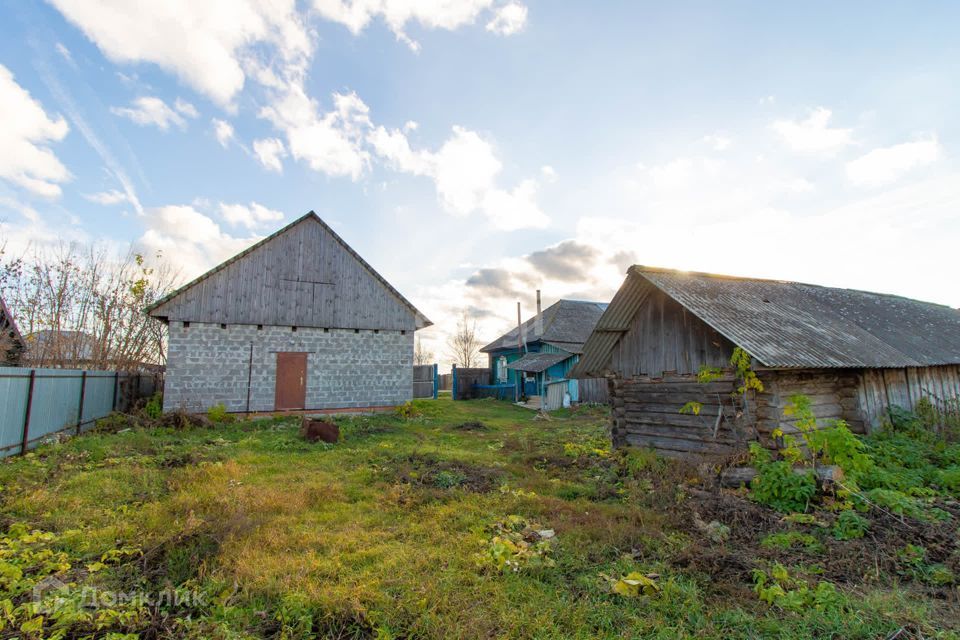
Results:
<point x="294" y="366"/>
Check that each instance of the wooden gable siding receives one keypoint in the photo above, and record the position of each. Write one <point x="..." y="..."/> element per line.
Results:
<point x="665" y="337"/>
<point x="302" y="277"/>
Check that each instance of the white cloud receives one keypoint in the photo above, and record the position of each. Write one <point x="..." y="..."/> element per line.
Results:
<point x="464" y="171"/>
<point x="22" y="208"/>
<point x="201" y="42"/>
<point x="185" y="108"/>
<point x="509" y="19"/>
<point x="813" y="135"/>
<point x="25" y="132"/>
<point x="224" y="132"/>
<point x="195" y="240"/>
<point x="250" y="216"/>
<point x="549" y="173"/>
<point x="269" y="152"/>
<point x="718" y="141"/>
<point x="110" y="197"/>
<point x="328" y="142"/>
<point x="150" y="111"/>
<point x="64" y="53"/>
<point x="439" y="14"/>
<point x="886" y="164"/>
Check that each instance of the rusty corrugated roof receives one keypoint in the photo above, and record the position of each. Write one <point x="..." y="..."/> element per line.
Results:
<point x="790" y="324"/>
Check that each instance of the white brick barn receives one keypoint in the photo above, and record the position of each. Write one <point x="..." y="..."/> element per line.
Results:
<point x="298" y="321"/>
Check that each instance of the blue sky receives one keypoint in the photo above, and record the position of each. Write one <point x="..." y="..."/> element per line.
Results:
<point x="474" y="151"/>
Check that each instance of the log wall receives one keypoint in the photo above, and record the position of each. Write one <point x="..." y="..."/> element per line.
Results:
<point x="646" y="413"/>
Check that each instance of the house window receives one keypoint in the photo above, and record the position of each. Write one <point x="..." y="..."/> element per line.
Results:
<point x="223" y="326"/>
<point x="259" y="327"/>
<point x="186" y="325"/>
<point x="294" y="329"/>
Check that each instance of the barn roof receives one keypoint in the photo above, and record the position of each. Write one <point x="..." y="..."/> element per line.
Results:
<point x="789" y="324"/>
<point x="566" y="324"/>
<point x="421" y="320"/>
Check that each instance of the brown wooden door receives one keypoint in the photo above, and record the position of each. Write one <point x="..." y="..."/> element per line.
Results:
<point x="291" y="381"/>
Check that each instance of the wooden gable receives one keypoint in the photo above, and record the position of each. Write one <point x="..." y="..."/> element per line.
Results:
<point x="303" y="275"/>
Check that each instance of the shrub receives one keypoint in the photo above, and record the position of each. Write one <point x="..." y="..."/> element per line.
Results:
<point x="154" y="407"/>
<point x="776" y="485"/>
<point x="218" y="414"/>
<point x="408" y="410"/>
<point x="779" y="589"/>
<point x="850" y="525"/>
<point x="789" y="539"/>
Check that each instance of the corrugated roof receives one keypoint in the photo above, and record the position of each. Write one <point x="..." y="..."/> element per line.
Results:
<point x="566" y="324"/>
<point x="537" y="362"/>
<point x="790" y="324"/>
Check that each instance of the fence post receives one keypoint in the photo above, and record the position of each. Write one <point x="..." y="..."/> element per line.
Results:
<point x="453" y="385"/>
<point x="436" y="381"/>
<point x="83" y="392"/>
<point x="116" y="385"/>
<point x="26" y="415"/>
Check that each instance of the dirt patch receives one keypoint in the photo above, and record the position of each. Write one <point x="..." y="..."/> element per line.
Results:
<point x="428" y="471"/>
<point x="875" y="558"/>
<point x="472" y="425"/>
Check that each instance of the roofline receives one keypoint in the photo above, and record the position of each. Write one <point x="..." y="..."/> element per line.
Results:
<point x="11" y="321"/>
<point x="489" y="347"/>
<point x="640" y="269"/>
<point x="310" y="214"/>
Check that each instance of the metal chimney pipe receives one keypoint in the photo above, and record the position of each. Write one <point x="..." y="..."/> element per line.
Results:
<point x="538" y="323"/>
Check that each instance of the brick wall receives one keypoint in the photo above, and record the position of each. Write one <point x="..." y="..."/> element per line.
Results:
<point x="207" y="365"/>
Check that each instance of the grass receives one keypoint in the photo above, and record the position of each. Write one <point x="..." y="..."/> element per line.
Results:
<point x="428" y="526"/>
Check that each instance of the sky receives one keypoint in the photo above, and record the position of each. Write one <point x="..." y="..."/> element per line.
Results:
<point x="474" y="151"/>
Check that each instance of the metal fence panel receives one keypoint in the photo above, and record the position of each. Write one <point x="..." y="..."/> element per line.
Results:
<point x="55" y="401"/>
<point x="13" y="406"/>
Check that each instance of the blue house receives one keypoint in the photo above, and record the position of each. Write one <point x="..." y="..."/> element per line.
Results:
<point x="549" y="345"/>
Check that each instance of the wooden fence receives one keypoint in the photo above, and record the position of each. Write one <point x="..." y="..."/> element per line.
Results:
<point x="594" y="390"/>
<point x="36" y="404"/>
<point x="464" y="380"/>
<point x="425" y="381"/>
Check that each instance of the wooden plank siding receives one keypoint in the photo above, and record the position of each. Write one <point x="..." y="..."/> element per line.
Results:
<point x="665" y="337"/>
<point x="879" y="389"/>
<point x="304" y="276"/>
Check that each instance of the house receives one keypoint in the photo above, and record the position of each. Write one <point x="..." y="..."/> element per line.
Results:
<point x="549" y="346"/>
<point x="853" y="353"/>
<point x="298" y="321"/>
<point x="11" y="342"/>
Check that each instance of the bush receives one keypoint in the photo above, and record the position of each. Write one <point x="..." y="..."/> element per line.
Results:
<point x="850" y="525"/>
<point x="776" y="485"/>
<point x="154" y="407"/>
<point x="218" y="414"/>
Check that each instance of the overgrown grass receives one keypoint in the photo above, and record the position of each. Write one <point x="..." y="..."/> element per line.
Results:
<point x="416" y="526"/>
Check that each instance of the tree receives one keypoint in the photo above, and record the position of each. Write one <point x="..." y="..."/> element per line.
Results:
<point x="422" y="355"/>
<point x="463" y="346"/>
<point x="83" y="306"/>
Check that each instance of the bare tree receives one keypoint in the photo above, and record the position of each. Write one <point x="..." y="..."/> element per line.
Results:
<point x="79" y="306"/>
<point x="422" y="355"/>
<point x="463" y="346"/>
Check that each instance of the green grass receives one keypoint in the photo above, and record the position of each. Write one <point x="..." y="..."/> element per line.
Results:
<point x="390" y="533"/>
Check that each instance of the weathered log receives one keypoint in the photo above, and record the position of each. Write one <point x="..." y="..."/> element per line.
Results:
<point x="736" y="476"/>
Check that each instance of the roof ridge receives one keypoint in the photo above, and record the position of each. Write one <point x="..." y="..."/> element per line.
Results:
<point x="309" y="215"/>
<point x="641" y="269"/>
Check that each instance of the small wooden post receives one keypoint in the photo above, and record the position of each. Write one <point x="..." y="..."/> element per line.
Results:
<point x="516" y="372"/>
<point x="26" y="415"/>
<point x="116" y="386"/>
<point x="83" y="392"/>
